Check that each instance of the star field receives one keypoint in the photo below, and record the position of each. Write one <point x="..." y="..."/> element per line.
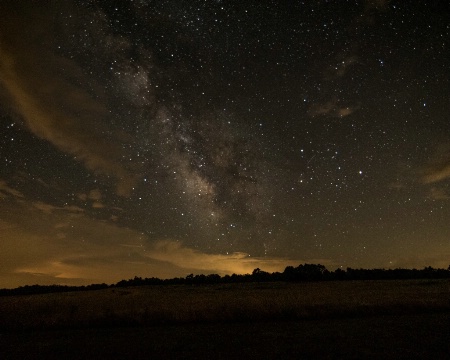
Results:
<point x="161" y="138"/>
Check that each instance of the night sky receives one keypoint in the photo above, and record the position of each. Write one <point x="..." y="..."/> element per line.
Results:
<point x="163" y="138"/>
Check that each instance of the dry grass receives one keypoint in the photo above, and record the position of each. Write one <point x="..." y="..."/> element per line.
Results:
<point x="149" y="305"/>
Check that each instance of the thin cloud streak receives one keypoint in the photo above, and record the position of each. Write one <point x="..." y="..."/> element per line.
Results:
<point x="332" y="108"/>
<point x="6" y="190"/>
<point x="438" y="168"/>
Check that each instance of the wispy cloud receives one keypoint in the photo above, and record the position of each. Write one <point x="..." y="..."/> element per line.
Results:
<point x="164" y="259"/>
<point x="239" y="263"/>
<point x="56" y="99"/>
<point x="438" y="168"/>
<point x="94" y="196"/>
<point x="438" y="194"/>
<point x="49" y="244"/>
<point x="435" y="173"/>
<point x="48" y="209"/>
<point x="332" y="108"/>
<point x="6" y="190"/>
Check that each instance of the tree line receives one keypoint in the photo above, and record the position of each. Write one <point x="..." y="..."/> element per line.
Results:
<point x="301" y="273"/>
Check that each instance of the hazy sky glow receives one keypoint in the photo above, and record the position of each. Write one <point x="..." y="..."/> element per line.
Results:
<point x="162" y="138"/>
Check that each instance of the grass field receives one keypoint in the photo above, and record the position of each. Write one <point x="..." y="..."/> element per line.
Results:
<point x="259" y="320"/>
<point x="150" y="305"/>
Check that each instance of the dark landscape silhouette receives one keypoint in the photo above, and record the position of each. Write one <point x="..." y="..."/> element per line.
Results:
<point x="303" y="272"/>
<point x="357" y="313"/>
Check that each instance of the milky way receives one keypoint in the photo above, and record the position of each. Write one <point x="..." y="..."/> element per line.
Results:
<point x="313" y="131"/>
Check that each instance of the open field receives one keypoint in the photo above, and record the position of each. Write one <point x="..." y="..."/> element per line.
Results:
<point x="353" y="319"/>
<point x="173" y="304"/>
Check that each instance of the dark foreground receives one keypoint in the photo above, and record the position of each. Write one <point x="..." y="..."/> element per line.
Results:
<point x="328" y="320"/>
<point x="410" y="336"/>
